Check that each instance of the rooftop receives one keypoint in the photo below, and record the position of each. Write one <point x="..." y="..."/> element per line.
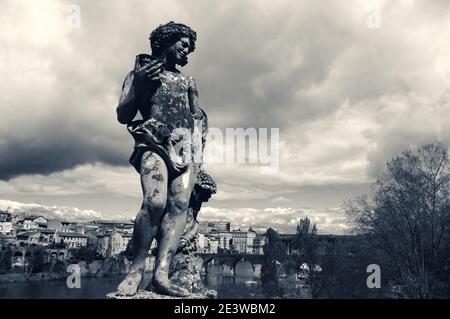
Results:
<point x="33" y="217"/>
<point x="28" y="233"/>
<point x="71" y="235"/>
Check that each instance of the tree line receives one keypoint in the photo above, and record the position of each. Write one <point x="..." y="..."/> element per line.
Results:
<point x="402" y="225"/>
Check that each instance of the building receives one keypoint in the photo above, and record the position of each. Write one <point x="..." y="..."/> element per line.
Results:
<point x="213" y="246"/>
<point x="108" y="224"/>
<point x="208" y="226"/>
<point x="54" y="224"/>
<point x="208" y="244"/>
<point x="113" y="243"/>
<point x="36" y="219"/>
<point x="6" y="228"/>
<point x="28" y="224"/>
<point x="251" y="235"/>
<point x="225" y="240"/>
<point x="66" y="226"/>
<point x="7" y="239"/>
<point x="47" y="235"/>
<point x="78" y="228"/>
<point x="247" y="242"/>
<point x="4" y="216"/>
<point x="18" y="218"/>
<point x="28" y="237"/>
<point x="258" y="244"/>
<point x="38" y="237"/>
<point x="119" y="242"/>
<point x="72" y="240"/>
<point x="222" y="225"/>
<point x="89" y="227"/>
<point x="201" y="242"/>
<point x="239" y="241"/>
<point x="40" y="220"/>
<point x="34" y="222"/>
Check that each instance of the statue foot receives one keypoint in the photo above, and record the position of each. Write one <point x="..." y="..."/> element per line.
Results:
<point x="165" y="287"/>
<point x="129" y="286"/>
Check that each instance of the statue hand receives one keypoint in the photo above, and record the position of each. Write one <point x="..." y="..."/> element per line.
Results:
<point x="150" y="71"/>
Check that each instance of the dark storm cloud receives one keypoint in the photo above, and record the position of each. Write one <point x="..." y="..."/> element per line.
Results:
<point x="248" y="71"/>
<point x="316" y="71"/>
<point x="30" y="157"/>
<point x="257" y="59"/>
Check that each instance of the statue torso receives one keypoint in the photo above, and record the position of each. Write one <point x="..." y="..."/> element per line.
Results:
<point x="169" y="104"/>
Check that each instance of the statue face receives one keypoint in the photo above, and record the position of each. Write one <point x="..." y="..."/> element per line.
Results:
<point x="179" y="51"/>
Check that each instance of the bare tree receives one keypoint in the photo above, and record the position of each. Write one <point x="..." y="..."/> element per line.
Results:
<point x="306" y="243"/>
<point x="274" y="257"/>
<point x="408" y="216"/>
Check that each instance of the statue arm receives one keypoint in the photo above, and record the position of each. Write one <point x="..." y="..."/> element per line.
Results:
<point x="127" y="108"/>
<point x="198" y="113"/>
<point x="193" y="99"/>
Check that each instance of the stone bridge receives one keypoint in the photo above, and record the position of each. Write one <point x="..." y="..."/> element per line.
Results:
<point x="57" y="254"/>
<point x="21" y="255"/>
<point x="228" y="262"/>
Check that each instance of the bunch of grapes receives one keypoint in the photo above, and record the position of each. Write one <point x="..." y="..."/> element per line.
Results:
<point x="206" y="183"/>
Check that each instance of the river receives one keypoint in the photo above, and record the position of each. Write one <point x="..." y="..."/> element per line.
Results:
<point x="97" y="288"/>
<point x="243" y="285"/>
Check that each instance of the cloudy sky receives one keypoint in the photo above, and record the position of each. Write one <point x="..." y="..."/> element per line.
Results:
<point x="349" y="84"/>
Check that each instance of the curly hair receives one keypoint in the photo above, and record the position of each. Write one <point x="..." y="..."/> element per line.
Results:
<point x="167" y="34"/>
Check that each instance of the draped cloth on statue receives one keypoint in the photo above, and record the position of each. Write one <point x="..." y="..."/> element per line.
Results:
<point x="177" y="151"/>
<point x="168" y="127"/>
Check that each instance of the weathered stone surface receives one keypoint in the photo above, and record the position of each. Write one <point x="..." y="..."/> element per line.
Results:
<point x="167" y="101"/>
<point x="142" y="294"/>
<point x="185" y="272"/>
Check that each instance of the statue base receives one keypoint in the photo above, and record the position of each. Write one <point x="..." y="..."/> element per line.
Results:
<point x="185" y="271"/>
<point x="143" y="294"/>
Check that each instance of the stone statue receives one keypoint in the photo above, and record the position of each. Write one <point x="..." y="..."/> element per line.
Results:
<point x="168" y="140"/>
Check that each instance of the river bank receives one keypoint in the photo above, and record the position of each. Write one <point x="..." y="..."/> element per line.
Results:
<point x="98" y="287"/>
<point x="23" y="277"/>
<point x="45" y="276"/>
<point x="114" y="266"/>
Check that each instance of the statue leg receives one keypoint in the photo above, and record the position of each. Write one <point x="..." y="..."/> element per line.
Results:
<point x="154" y="179"/>
<point x="172" y="228"/>
<point x="191" y="228"/>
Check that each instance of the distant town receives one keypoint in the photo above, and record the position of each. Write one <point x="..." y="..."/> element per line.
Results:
<point x="34" y="246"/>
<point x="110" y="238"/>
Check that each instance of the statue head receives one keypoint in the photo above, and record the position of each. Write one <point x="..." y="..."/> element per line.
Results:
<point x="174" y="40"/>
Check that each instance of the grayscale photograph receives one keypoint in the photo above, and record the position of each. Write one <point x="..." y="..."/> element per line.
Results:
<point x="208" y="150"/>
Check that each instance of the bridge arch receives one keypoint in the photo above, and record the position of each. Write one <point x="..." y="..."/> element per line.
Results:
<point x="53" y="256"/>
<point x="242" y="259"/>
<point x="18" y="258"/>
<point x="213" y="260"/>
<point x="230" y="261"/>
<point x="18" y="254"/>
<point x="57" y="255"/>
